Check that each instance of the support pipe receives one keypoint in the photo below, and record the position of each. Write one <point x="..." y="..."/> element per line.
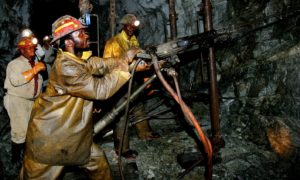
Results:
<point x="112" y="17"/>
<point x="109" y="117"/>
<point x="190" y="117"/>
<point x="216" y="139"/>
<point x="172" y="19"/>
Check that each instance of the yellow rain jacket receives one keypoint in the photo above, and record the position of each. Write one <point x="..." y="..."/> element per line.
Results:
<point x="116" y="47"/>
<point x="119" y="44"/>
<point x="61" y="127"/>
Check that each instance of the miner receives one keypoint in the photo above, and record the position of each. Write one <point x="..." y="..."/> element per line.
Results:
<point x="115" y="47"/>
<point x="60" y="131"/>
<point x="22" y="84"/>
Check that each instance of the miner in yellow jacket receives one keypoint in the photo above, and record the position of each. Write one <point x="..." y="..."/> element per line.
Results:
<point x="60" y="130"/>
<point x="115" y="47"/>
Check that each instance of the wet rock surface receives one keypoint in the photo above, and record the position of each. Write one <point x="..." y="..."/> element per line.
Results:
<point x="157" y="159"/>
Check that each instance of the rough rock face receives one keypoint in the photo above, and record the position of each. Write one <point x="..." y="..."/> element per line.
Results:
<point x="14" y="16"/>
<point x="258" y="86"/>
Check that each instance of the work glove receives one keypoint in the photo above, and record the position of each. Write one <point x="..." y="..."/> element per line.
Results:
<point x="29" y="74"/>
<point x="38" y="67"/>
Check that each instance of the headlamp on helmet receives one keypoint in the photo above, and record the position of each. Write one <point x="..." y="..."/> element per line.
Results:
<point x="34" y="41"/>
<point x="136" y="23"/>
<point x="26" y="33"/>
<point x="46" y="38"/>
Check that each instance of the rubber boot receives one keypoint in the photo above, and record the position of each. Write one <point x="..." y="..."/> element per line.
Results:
<point x="98" y="167"/>
<point x="143" y="130"/>
<point x="117" y="135"/>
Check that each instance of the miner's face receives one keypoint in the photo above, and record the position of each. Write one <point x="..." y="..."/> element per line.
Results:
<point x="28" y="52"/>
<point x="81" y="39"/>
<point x="129" y="29"/>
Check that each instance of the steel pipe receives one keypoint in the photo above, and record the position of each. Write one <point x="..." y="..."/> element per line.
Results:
<point x="112" y="17"/>
<point x="109" y="117"/>
<point x="216" y="138"/>
<point x="172" y="19"/>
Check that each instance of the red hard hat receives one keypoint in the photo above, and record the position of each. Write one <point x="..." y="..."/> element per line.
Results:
<point x="65" y="25"/>
<point x="27" y="42"/>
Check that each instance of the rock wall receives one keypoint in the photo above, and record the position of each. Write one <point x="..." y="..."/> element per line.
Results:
<point x="260" y="76"/>
<point x="154" y="17"/>
<point x="14" y="16"/>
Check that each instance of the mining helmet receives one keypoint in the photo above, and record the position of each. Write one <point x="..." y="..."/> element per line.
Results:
<point x="65" y="25"/>
<point x="27" y="42"/>
<point x="130" y="19"/>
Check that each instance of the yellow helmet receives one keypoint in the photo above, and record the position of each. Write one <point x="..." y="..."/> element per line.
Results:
<point x="130" y="19"/>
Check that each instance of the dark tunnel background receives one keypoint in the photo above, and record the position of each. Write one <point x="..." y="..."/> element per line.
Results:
<point x="44" y="13"/>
